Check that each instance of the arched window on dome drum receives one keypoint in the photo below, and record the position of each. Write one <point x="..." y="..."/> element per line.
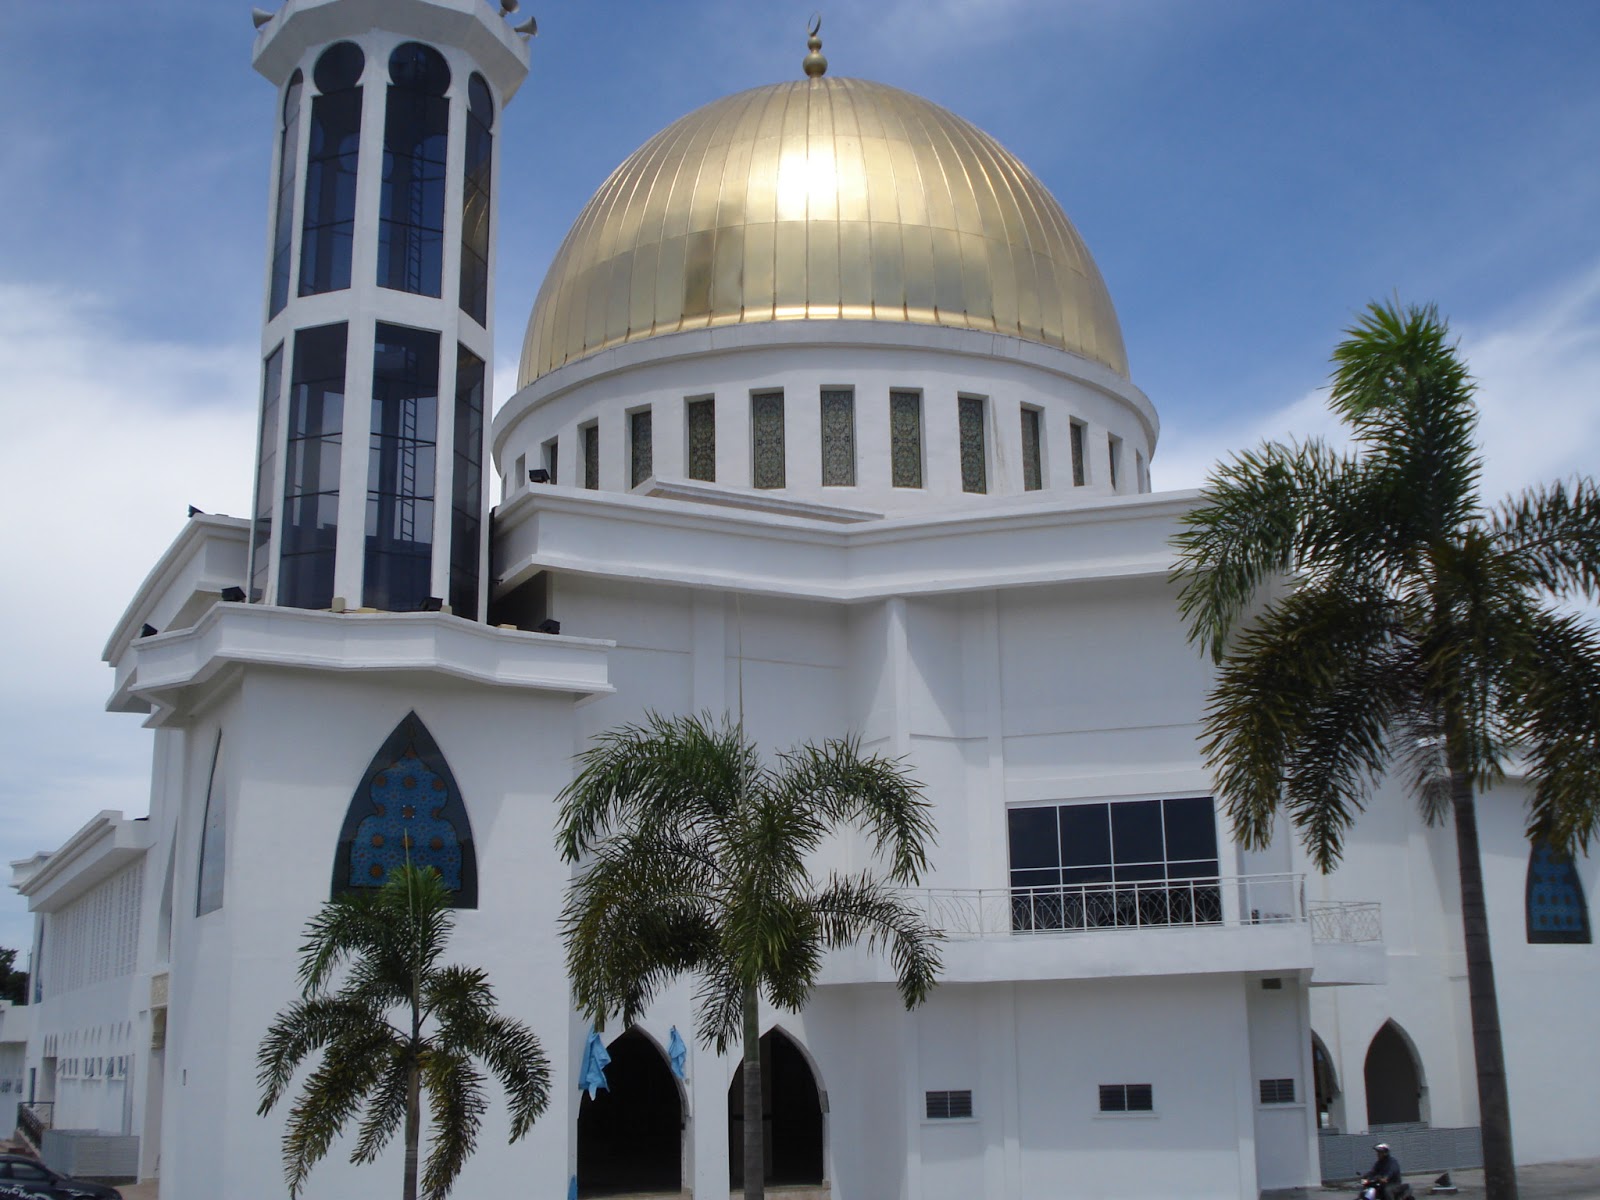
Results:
<point x="310" y="523"/>
<point x="1032" y="453"/>
<point x="466" y="497"/>
<point x="1557" y="912"/>
<point x="328" y="225"/>
<point x="407" y="809"/>
<point x="416" y="134"/>
<point x="401" y="467"/>
<point x="475" y="201"/>
<point x="283" y="222"/>
<point x="974" y="445"/>
<point x="266" y="475"/>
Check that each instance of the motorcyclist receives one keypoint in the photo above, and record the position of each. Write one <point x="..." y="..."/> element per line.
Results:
<point x="1384" y="1174"/>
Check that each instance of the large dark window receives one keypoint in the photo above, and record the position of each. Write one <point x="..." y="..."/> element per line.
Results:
<point x="1132" y="862"/>
<point x="330" y="211"/>
<point x="400" y="468"/>
<point x="311" y="473"/>
<point x="475" y="201"/>
<point x="283" y="221"/>
<point x="466" y="489"/>
<point x="1555" y="905"/>
<point x="266" y="470"/>
<point x="415" y="134"/>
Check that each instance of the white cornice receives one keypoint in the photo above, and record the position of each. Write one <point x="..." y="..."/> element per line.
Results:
<point x="103" y="846"/>
<point x="169" y="569"/>
<point x="175" y="673"/>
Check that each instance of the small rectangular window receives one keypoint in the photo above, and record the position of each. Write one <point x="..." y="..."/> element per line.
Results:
<point x="974" y="453"/>
<point x="1079" y="474"/>
<point x="517" y="478"/>
<point x="702" y="419"/>
<point x="1032" y="454"/>
<point x="640" y="449"/>
<point x="838" y="437"/>
<point x="591" y="456"/>
<point x="1277" y="1091"/>
<point x="1141" y="472"/>
<point x="1127" y="1097"/>
<point x="1272" y="984"/>
<point x="551" y="457"/>
<point x="905" y="439"/>
<point x="1114" y="457"/>
<point x="766" y="435"/>
<point x="949" y="1106"/>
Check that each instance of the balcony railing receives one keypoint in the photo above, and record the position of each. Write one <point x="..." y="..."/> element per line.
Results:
<point x="1093" y="907"/>
<point x="33" y="1119"/>
<point x="1346" y="921"/>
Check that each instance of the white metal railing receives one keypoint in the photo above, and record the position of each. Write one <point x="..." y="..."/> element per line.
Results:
<point x="1350" y="921"/>
<point x="1142" y="904"/>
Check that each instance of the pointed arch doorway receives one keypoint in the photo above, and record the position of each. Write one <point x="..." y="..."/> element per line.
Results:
<point x="630" y="1136"/>
<point x="791" y="1101"/>
<point x="1396" y="1094"/>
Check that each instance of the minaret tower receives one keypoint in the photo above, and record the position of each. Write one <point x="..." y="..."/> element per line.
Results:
<point x="377" y="320"/>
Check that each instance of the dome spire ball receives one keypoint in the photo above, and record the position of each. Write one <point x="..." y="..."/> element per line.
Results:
<point x="815" y="65"/>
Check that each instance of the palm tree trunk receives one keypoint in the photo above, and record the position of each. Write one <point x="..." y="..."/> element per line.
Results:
<point x="755" y="1154"/>
<point x="413" y="1125"/>
<point x="1494" y="1104"/>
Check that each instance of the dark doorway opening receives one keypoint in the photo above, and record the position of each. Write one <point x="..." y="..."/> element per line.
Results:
<point x="1326" y="1081"/>
<point x="630" y="1136"/>
<point x="792" y="1107"/>
<point x="1394" y="1080"/>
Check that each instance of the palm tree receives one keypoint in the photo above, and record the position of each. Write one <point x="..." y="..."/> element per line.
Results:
<point x="695" y="856"/>
<point x="400" y="1024"/>
<point x="1420" y="634"/>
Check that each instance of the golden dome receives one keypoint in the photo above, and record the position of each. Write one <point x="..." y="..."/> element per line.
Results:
<point x="823" y="198"/>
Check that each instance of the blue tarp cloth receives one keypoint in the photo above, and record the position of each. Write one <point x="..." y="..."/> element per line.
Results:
<point x="677" y="1053"/>
<point x="592" y="1077"/>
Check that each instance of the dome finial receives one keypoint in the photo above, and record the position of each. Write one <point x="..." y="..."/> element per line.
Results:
<point x="815" y="65"/>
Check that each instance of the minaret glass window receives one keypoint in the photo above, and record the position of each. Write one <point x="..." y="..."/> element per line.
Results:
<point x="838" y="437"/>
<point x="311" y="472"/>
<point x="330" y="209"/>
<point x="401" y="468"/>
<point x="415" y="137"/>
<point x="475" y="201"/>
<point x="466" y="485"/>
<point x="266" y="472"/>
<point x="974" y="453"/>
<point x="283" y="221"/>
<point x="766" y="428"/>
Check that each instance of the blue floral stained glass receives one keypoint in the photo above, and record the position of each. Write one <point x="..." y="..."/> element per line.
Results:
<point x="407" y="809"/>
<point x="1556" y="908"/>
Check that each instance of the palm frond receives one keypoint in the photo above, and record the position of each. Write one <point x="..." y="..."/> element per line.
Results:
<point x="851" y="909"/>
<point x="878" y="793"/>
<point x="456" y="1106"/>
<point x="304" y="1028"/>
<point x="385" y="1108"/>
<point x="1553" y="534"/>
<point x="333" y="1094"/>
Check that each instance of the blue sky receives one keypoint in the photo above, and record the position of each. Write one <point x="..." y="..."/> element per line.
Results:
<point x="1247" y="175"/>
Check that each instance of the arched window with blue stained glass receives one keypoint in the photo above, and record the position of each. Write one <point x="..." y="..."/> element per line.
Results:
<point x="407" y="809"/>
<point x="1556" y="908"/>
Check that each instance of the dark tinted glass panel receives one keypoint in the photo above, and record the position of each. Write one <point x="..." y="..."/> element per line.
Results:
<point x="1113" y="1097"/>
<point x="328" y="224"/>
<point x="466" y="487"/>
<point x="703" y="440"/>
<point x="591" y="456"/>
<point x="478" y="168"/>
<point x="401" y="468"/>
<point x="1032" y="833"/>
<point x="310" y="518"/>
<point x="283" y="220"/>
<point x="339" y="68"/>
<point x="974" y="462"/>
<point x="766" y="429"/>
<point x="1191" y="835"/>
<point x="1032" y="458"/>
<point x="1141" y="1097"/>
<point x="415" y="137"/>
<point x="1136" y="832"/>
<point x="1085" y="835"/>
<point x="266" y="475"/>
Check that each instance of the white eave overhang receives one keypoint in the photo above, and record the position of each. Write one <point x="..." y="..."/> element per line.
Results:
<point x="174" y="674"/>
<point x="659" y="540"/>
<point x="188" y="566"/>
<point x="96" y="852"/>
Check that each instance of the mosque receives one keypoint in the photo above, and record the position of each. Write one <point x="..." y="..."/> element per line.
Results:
<point x="823" y="417"/>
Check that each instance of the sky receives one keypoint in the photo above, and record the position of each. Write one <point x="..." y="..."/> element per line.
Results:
<point x="1247" y="173"/>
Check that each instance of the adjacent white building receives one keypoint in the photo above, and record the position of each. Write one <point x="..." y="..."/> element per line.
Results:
<point x="824" y="418"/>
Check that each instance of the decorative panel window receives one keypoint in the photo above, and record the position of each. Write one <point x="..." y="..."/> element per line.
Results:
<point x="213" y="838"/>
<point x="905" y="439"/>
<point x="641" y="452"/>
<point x="283" y="217"/>
<point x="974" y="455"/>
<point x="948" y="1106"/>
<point x="591" y="456"/>
<point x="416" y="131"/>
<point x="479" y="168"/>
<point x="1277" y="1091"/>
<point x="1114" y="460"/>
<point x="329" y="220"/>
<point x="311" y="469"/>
<point x="408" y="809"/>
<point x="838" y="437"/>
<point x="1127" y="1097"/>
<point x="401" y="460"/>
<point x="1556" y="908"/>
<point x="466" y="485"/>
<point x="266" y="475"/>
<point x="552" y="458"/>
<point x="1109" y="865"/>
<point x="702" y="418"/>
<point x="1079" y="434"/>
<point x="766" y="437"/>
<point x="1032" y="451"/>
